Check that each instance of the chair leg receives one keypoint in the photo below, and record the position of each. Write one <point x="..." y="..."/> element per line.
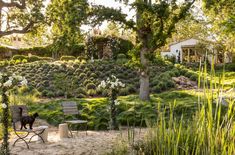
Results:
<point x="77" y="128"/>
<point x="86" y="128"/>
<point x="69" y="126"/>
<point x="21" y="138"/>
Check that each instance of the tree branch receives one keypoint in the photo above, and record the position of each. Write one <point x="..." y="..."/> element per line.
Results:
<point x="100" y="13"/>
<point x="21" y="5"/>
<point x="23" y="30"/>
<point x="164" y="30"/>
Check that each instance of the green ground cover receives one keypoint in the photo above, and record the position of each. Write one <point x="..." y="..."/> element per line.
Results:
<point x="131" y="111"/>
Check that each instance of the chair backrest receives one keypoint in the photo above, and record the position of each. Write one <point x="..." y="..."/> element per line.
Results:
<point x="70" y="108"/>
<point x="15" y="112"/>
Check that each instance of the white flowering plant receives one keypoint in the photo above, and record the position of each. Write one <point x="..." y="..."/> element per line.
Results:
<point x="113" y="85"/>
<point x="14" y="80"/>
<point x="9" y="82"/>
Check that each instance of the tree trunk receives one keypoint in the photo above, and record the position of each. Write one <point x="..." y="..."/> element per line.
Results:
<point x="144" y="36"/>
<point x="144" y="76"/>
<point x="113" y="122"/>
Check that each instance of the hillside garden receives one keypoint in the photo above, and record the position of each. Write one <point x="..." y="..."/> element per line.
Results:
<point x="131" y="99"/>
<point x="51" y="82"/>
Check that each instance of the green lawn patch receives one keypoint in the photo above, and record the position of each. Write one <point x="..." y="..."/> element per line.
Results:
<point x="131" y="110"/>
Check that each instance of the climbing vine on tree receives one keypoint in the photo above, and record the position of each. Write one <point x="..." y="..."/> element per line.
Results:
<point x="7" y="82"/>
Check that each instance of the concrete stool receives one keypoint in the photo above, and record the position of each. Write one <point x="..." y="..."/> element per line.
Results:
<point x="63" y="131"/>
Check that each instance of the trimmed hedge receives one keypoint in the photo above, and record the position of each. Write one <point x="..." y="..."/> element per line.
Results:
<point x="32" y="58"/>
<point x="19" y="57"/>
<point x="39" y="51"/>
<point x="121" y="56"/>
<point x="67" y="58"/>
<point x="46" y="51"/>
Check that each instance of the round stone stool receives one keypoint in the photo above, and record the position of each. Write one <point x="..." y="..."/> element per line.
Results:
<point x="63" y="131"/>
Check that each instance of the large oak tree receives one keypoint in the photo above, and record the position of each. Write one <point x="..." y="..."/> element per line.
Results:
<point x="155" y="23"/>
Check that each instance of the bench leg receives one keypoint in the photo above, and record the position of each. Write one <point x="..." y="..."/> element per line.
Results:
<point x="39" y="135"/>
<point x="21" y="138"/>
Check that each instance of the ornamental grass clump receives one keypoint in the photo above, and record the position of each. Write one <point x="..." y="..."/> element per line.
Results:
<point x="112" y="85"/>
<point x="211" y="131"/>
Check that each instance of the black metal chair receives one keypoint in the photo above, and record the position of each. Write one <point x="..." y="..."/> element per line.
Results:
<point x="70" y="108"/>
<point x="36" y="131"/>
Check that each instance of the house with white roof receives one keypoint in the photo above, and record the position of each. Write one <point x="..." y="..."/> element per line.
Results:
<point x="187" y="51"/>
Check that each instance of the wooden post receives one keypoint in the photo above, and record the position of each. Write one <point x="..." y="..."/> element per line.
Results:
<point x="63" y="131"/>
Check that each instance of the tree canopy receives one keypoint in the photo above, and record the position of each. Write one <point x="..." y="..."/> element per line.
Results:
<point x="221" y="16"/>
<point x="155" y="19"/>
<point x="20" y="16"/>
<point x="222" y="13"/>
<point x="66" y="18"/>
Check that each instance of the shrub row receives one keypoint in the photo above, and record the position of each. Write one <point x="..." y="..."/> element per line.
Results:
<point x="31" y="58"/>
<point x="82" y="79"/>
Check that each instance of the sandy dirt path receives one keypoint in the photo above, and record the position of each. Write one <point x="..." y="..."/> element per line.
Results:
<point x="95" y="143"/>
